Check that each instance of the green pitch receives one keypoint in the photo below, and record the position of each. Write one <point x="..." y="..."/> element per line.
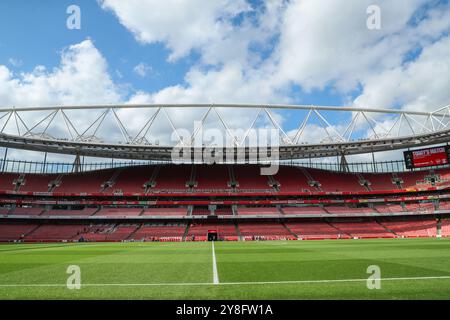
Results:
<point x="410" y="269"/>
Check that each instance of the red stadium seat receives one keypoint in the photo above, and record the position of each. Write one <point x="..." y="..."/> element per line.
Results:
<point x="363" y="229"/>
<point x="426" y="228"/>
<point x="154" y="202"/>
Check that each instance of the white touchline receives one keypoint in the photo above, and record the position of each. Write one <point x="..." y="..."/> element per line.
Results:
<point x="53" y="247"/>
<point x="221" y="283"/>
<point x="215" y="273"/>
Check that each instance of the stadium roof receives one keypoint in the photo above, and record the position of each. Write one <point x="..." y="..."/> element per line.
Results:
<point x="151" y="132"/>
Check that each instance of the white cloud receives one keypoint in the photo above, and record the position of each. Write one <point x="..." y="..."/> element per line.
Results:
<point x="81" y="78"/>
<point x="311" y="44"/>
<point x="327" y="44"/>
<point x="182" y="25"/>
<point x="228" y="84"/>
<point x="142" y="69"/>
<point x="423" y="84"/>
<point x="15" y="62"/>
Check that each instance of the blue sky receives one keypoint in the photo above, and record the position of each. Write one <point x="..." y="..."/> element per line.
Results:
<point x="35" y="32"/>
<point x="297" y="52"/>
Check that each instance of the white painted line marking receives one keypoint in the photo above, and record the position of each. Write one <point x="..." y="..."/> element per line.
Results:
<point x="215" y="273"/>
<point x="222" y="283"/>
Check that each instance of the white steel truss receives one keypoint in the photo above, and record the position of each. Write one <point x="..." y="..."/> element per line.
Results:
<point x="86" y="130"/>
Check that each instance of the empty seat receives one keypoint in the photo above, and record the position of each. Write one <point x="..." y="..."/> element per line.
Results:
<point x="119" y="212"/>
<point x="165" y="212"/>
<point x="257" y="211"/>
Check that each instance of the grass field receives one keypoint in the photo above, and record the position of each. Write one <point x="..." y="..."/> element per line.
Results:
<point x="410" y="269"/>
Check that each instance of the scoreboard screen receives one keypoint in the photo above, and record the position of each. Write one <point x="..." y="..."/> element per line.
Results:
<point x="427" y="157"/>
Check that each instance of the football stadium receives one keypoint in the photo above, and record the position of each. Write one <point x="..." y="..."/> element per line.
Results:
<point x="192" y="220"/>
<point x="224" y="158"/>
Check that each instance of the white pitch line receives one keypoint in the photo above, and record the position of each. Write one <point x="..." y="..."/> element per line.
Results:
<point x="223" y="283"/>
<point x="215" y="273"/>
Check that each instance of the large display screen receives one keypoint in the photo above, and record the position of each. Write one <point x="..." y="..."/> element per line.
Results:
<point x="429" y="157"/>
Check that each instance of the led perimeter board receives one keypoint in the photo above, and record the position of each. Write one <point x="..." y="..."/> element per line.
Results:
<point x="428" y="157"/>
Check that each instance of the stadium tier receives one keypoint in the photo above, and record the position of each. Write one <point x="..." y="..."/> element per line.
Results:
<point x="82" y="212"/>
<point x="304" y="210"/>
<point x="247" y="231"/>
<point x="388" y="208"/>
<point x="412" y="228"/>
<point x="85" y="182"/>
<point x="172" y="232"/>
<point x="187" y="202"/>
<point x="37" y="183"/>
<point x="265" y="231"/>
<point x="444" y="205"/>
<point x="445" y="228"/>
<point x="334" y="181"/>
<point x="165" y="212"/>
<point x="14" y="232"/>
<point x="249" y="177"/>
<point x="131" y="180"/>
<point x="54" y="232"/>
<point x="347" y="210"/>
<point x="220" y="178"/>
<point x="258" y="211"/>
<point x="370" y="229"/>
<point x="198" y="232"/>
<point x="7" y="181"/>
<point x="169" y="177"/>
<point x="293" y="180"/>
<point x="316" y="231"/>
<point x="119" y="212"/>
<point x="224" y="211"/>
<point x="27" y="211"/>
<point x="212" y="177"/>
<point x="201" y="211"/>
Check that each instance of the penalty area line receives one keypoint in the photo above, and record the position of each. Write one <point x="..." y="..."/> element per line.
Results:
<point x="222" y="283"/>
